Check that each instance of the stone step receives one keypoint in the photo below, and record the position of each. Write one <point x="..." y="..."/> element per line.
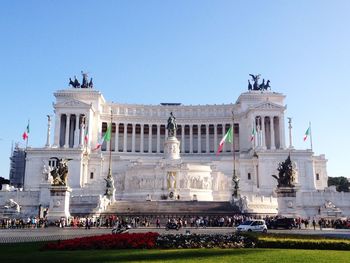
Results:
<point x="171" y="207"/>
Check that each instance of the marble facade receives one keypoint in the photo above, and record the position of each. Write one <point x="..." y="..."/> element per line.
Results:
<point x="146" y="166"/>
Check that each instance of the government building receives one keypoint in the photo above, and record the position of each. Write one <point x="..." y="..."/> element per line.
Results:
<point x="153" y="172"/>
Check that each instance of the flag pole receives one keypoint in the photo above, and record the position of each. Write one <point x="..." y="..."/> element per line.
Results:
<point x="110" y="149"/>
<point x="310" y="135"/>
<point x="234" y="176"/>
<point x="27" y="135"/>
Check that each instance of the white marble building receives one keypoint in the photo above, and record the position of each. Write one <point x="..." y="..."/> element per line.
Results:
<point x="142" y="171"/>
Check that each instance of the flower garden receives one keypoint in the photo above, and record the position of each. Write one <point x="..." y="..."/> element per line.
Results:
<point x="155" y="241"/>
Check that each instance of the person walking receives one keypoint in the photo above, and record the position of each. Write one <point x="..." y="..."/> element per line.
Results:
<point x="314" y="223"/>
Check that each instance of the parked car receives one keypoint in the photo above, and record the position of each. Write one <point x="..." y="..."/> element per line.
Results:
<point x="253" y="226"/>
<point x="286" y="223"/>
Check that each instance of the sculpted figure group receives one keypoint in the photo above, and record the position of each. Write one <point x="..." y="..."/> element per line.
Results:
<point x="85" y="83"/>
<point x="286" y="174"/>
<point x="256" y="85"/>
<point x="60" y="172"/>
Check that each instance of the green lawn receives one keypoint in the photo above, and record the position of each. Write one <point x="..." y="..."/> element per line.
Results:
<point x="30" y="252"/>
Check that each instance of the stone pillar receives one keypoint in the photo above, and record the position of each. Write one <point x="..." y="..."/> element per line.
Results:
<point x="76" y="131"/>
<point x="150" y="138"/>
<point x="82" y="131"/>
<point x="116" y="147"/>
<point x="191" y="138"/>
<point x="66" y="141"/>
<point x="133" y="137"/>
<point x="199" y="138"/>
<point x="141" y="137"/>
<point x="263" y="141"/>
<point x="215" y="136"/>
<point x="125" y="146"/>
<point x="48" y="134"/>
<point x="158" y="138"/>
<point x="207" y="138"/>
<point x="290" y="133"/>
<point x="172" y="148"/>
<point x="166" y="134"/>
<point x="57" y="135"/>
<point x="272" y="129"/>
<point x="59" y="203"/>
<point x="286" y="199"/>
<point x="282" y="132"/>
<point x="183" y="138"/>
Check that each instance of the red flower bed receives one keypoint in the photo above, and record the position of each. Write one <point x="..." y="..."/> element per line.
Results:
<point x="110" y="241"/>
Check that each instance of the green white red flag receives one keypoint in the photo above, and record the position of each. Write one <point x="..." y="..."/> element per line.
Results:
<point x="86" y="135"/>
<point x="227" y="138"/>
<point x="25" y="134"/>
<point x="307" y="134"/>
<point x="253" y="134"/>
<point x="106" y="137"/>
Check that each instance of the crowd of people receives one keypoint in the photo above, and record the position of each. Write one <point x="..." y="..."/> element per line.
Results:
<point x="109" y="221"/>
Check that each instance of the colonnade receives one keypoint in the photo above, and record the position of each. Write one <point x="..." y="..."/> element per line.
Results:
<point x="149" y="138"/>
<point x="70" y="130"/>
<point x="270" y="132"/>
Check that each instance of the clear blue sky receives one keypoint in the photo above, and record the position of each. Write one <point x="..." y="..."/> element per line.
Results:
<point x="203" y="51"/>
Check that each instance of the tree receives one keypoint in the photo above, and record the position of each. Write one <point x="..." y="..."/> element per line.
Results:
<point x="3" y="181"/>
<point x="342" y="183"/>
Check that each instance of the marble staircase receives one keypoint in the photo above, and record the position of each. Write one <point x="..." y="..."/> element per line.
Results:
<point x="171" y="208"/>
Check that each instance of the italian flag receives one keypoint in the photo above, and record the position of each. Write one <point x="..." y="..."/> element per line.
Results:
<point x="307" y="133"/>
<point x="86" y="135"/>
<point x="227" y="138"/>
<point x="106" y="137"/>
<point x="25" y="134"/>
<point x="253" y="134"/>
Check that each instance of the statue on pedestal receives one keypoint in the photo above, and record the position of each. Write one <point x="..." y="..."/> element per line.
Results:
<point x="172" y="126"/>
<point x="109" y="186"/>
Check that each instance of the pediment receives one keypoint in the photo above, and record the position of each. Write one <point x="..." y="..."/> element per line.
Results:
<point x="267" y="105"/>
<point x="74" y="104"/>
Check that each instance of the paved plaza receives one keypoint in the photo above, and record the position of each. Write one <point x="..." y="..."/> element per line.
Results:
<point x="55" y="233"/>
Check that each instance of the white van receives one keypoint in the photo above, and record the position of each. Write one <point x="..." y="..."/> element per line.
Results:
<point x="253" y="226"/>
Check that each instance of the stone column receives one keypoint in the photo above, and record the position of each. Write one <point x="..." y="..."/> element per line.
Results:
<point x="48" y="134"/>
<point x="76" y="131"/>
<point x="66" y="141"/>
<point x="125" y="146"/>
<point x="282" y="133"/>
<point x="150" y="138"/>
<point x="82" y="131"/>
<point x="141" y="137"/>
<point x="158" y="138"/>
<point x="116" y="147"/>
<point x="263" y="141"/>
<point x="207" y="138"/>
<point x="58" y="124"/>
<point x="133" y="137"/>
<point x="215" y="136"/>
<point x="199" y="138"/>
<point x="182" y="138"/>
<point x="272" y="129"/>
<point x="191" y="138"/>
